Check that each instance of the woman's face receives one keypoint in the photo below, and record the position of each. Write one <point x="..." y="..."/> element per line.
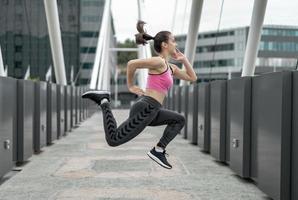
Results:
<point x="172" y="44"/>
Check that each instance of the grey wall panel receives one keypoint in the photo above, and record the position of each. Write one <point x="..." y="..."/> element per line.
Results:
<point x="67" y="103"/>
<point x="40" y="116"/>
<point x="54" y="112"/>
<point x="85" y="104"/>
<point x="294" y="175"/>
<point x="172" y="98"/>
<point x="204" y="116"/>
<point x="164" y="103"/>
<point x="218" y="119"/>
<point x="178" y="98"/>
<point x="52" y="128"/>
<point x="60" y="111"/>
<point x="72" y="104"/>
<point x="271" y="131"/>
<point x="170" y="95"/>
<point x="77" y="113"/>
<point x="63" y="110"/>
<point x="192" y="130"/>
<point x="58" y="100"/>
<point x="80" y="104"/>
<point x="168" y="98"/>
<point x="79" y="101"/>
<point x="239" y="125"/>
<point x="8" y="88"/>
<point x="25" y="112"/>
<point x="184" y="108"/>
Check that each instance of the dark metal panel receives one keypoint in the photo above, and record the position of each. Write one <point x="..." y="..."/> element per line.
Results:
<point x="239" y="125"/>
<point x="60" y="111"/>
<point x="169" y="100"/>
<point x="271" y="132"/>
<point x="218" y="119"/>
<point x="80" y="104"/>
<point x="25" y="112"/>
<point x="52" y="128"/>
<point x="192" y="131"/>
<point x="40" y="112"/>
<point x="85" y="104"/>
<point x="172" y="98"/>
<point x="67" y="103"/>
<point x="204" y="116"/>
<point x="178" y="98"/>
<point x="54" y="112"/>
<point x="72" y="106"/>
<point x="77" y="112"/>
<point x="8" y="87"/>
<point x="184" y="108"/>
<point x="294" y="175"/>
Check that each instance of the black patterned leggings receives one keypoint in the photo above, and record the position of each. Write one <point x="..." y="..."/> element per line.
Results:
<point x="146" y="111"/>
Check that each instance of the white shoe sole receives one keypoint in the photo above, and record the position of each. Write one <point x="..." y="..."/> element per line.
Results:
<point x="97" y="92"/>
<point x="157" y="160"/>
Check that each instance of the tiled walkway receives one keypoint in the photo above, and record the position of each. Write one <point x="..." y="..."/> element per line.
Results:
<point x="82" y="166"/>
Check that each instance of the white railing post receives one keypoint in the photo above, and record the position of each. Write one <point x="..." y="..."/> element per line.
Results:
<point x="144" y="51"/>
<point x="100" y="43"/>
<point x="192" y="35"/>
<point x="52" y="16"/>
<point x="2" y="71"/>
<point x="254" y="37"/>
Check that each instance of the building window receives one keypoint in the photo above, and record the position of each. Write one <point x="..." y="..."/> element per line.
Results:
<point x="213" y="48"/>
<point x="18" y="48"/>
<point x="89" y="34"/>
<point x="18" y="64"/>
<point x="280" y="32"/>
<point x="88" y="49"/>
<point x="219" y="34"/>
<point x="276" y="62"/>
<point x="215" y="63"/>
<point x="87" y="66"/>
<point x="71" y="18"/>
<point x="180" y="38"/>
<point x="90" y="18"/>
<point x="84" y="81"/>
<point x="278" y="46"/>
<point x="92" y="3"/>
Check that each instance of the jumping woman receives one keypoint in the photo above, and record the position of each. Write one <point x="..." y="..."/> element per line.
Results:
<point x="147" y="110"/>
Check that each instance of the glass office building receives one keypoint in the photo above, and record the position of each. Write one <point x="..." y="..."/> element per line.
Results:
<point x="24" y="37"/>
<point x="90" y="23"/>
<point x="220" y="55"/>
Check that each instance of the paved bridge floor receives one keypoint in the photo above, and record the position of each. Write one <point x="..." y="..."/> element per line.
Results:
<point x="83" y="166"/>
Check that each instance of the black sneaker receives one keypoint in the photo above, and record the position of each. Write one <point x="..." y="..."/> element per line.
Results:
<point x="97" y="95"/>
<point x="159" y="157"/>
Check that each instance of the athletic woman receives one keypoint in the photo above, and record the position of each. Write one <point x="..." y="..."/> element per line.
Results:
<point x="147" y="110"/>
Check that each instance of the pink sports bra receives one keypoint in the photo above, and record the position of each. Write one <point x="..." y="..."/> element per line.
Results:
<point x="161" y="82"/>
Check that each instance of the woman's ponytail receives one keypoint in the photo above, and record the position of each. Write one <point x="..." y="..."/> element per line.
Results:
<point x="142" y="36"/>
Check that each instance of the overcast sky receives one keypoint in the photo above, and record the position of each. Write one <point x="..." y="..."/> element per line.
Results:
<point x="159" y="15"/>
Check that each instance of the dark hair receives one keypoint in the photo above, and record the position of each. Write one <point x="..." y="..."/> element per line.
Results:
<point x="142" y="37"/>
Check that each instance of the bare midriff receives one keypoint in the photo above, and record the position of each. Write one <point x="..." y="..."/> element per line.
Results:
<point x="159" y="96"/>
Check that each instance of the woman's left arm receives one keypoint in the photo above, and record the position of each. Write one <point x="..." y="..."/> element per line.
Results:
<point x="188" y="74"/>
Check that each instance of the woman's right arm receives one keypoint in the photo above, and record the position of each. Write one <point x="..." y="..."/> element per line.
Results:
<point x="150" y="63"/>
